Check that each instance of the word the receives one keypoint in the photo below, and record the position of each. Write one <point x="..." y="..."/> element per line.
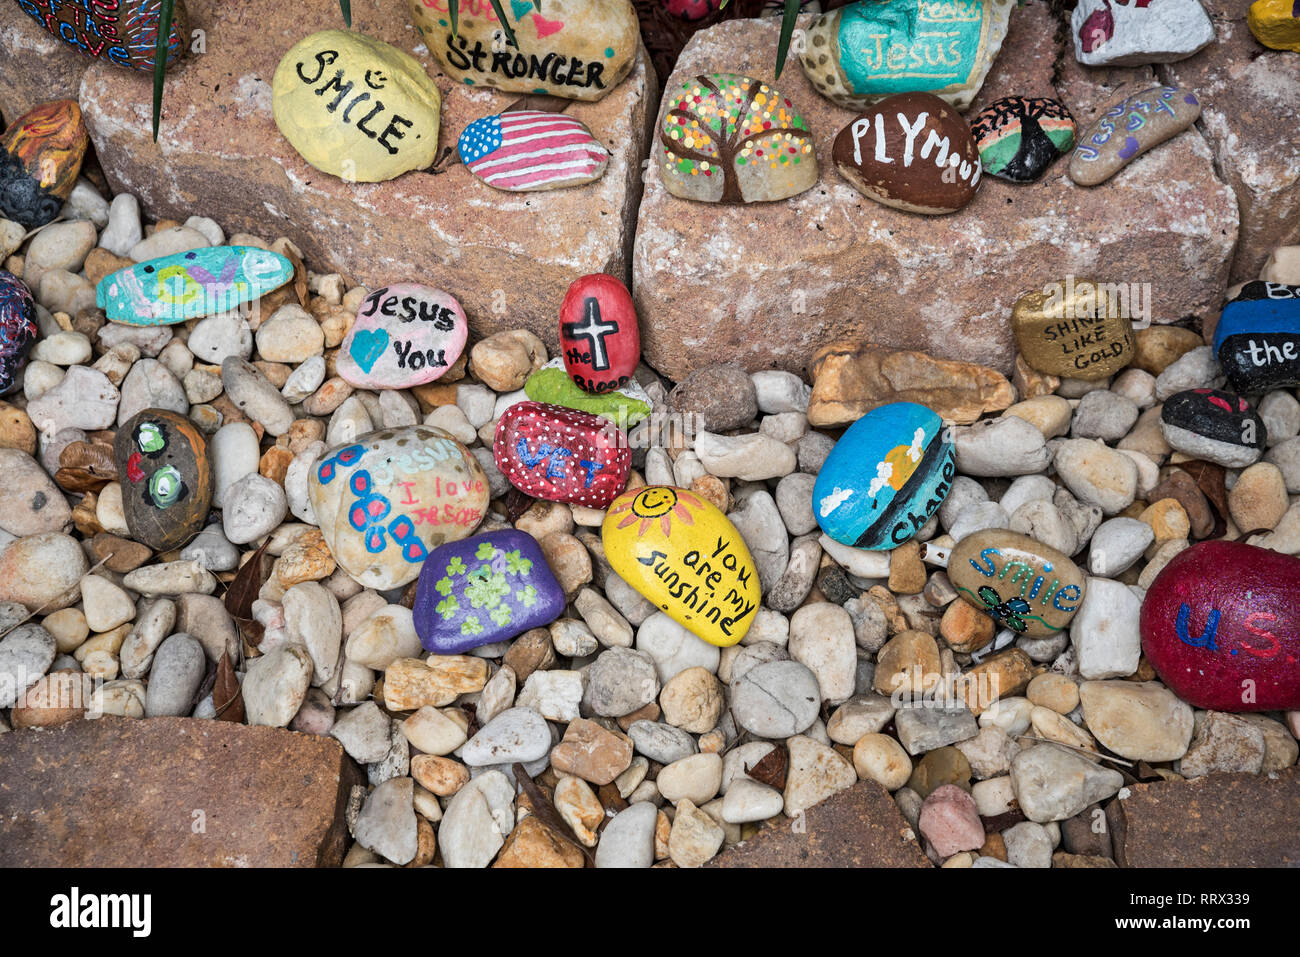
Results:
<point x="74" y="910"/>
<point x="934" y="143"/>
<point x="1265" y="353"/>
<point x="375" y="80"/>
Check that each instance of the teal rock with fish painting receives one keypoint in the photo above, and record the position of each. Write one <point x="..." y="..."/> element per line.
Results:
<point x="187" y="285"/>
<point x="624" y="406"/>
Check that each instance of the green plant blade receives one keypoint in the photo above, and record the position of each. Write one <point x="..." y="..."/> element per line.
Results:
<point x="505" y="24"/>
<point x="788" y="19"/>
<point x="160" y="60"/>
<point x="346" y="7"/>
<point x="453" y="14"/>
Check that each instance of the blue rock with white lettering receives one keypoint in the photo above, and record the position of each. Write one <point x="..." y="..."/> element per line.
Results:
<point x="484" y="589"/>
<point x="885" y="477"/>
<point x="1257" y="339"/>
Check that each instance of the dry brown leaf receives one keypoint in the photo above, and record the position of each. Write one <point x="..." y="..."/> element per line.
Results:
<point x="227" y="698"/>
<point x="247" y="583"/>
<point x="546" y="813"/>
<point x="771" y="769"/>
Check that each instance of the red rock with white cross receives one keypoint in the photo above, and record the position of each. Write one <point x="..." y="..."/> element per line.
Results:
<point x="599" y="337"/>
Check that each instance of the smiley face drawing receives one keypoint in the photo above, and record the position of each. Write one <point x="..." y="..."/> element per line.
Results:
<point x="657" y="503"/>
<point x="166" y="481"/>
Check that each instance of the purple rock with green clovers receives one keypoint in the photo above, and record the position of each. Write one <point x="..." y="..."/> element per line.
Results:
<point x="484" y="589"/>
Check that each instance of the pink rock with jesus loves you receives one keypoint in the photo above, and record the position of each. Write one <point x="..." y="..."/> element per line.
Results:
<point x="404" y="335"/>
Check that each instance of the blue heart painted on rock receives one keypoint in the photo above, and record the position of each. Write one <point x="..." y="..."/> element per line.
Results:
<point x="520" y="7"/>
<point x="367" y="346"/>
<point x="1129" y="149"/>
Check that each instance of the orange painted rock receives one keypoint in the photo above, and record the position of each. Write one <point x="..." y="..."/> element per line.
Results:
<point x="1221" y="626"/>
<point x="42" y="154"/>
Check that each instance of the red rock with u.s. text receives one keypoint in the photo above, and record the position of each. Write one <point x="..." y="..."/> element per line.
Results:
<point x="1221" y="626"/>
<point x="562" y="455"/>
<point x="599" y="337"/>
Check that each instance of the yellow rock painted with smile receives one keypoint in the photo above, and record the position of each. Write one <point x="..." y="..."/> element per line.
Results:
<point x="356" y="107"/>
<point x="684" y="555"/>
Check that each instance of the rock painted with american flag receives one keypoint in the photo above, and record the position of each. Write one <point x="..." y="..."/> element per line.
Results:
<point x="524" y="151"/>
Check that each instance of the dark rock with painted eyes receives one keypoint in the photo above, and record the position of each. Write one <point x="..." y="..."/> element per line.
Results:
<point x="162" y="463"/>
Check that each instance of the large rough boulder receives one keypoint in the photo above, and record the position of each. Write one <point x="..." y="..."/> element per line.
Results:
<point x="508" y="257"/>
<point x="768" y="284"/>
<point x="1249" y="96"/>
<point x="172" y="792"/>
<point x="34" y="67"/>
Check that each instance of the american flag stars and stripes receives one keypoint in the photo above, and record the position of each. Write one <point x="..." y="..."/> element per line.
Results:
<point x="528" y="150"/>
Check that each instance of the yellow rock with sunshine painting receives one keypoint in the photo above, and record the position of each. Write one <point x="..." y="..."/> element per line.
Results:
<point x="684" y="555"/>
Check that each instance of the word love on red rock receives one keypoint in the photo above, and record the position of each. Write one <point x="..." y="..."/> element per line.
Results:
<point x="562" y="455"/>
<point x="599" y="338"/>
<point x="1221" y="626"/>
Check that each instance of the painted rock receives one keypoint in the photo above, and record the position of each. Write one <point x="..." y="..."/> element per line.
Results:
<point x="1019" y="137"/>
<point x="162" y="463"/>
<point x="524" y="151"/>
<point x="1221" y="626"/>
<point x="483" y="589"/>
<point x="1020" y="583"/>
<point x="1130" y="128"/>
<point x="625" y="406"/>
<point x="386" y="499"/>
<point x="356" y="107"/>
<point x="197" y="282"/>
<point x="124" y="32"/>
<point x="885" y="477"/>
<point x="18" y="329"/>
<point x="911" y="151"/>
<point x="1275" y="23"/>
<point x="577" y="49"/>
<point x="561" y="455"/>
<point x="1138" y="32"/>
<point x="40" y="157"/>
<point x="727" y="138"/>
<point x="404" y="335"/>
<point x="684" y="555"/>
<point x="1080" y="329"/>
<point x="691" y="9"/>
<point x="1217" y="426"/>
<point x="599" y="337"/>
<point x="1257" y="339"/>
<point x="862" y="52"/>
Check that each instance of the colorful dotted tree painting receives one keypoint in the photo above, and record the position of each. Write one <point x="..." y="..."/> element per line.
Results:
<point x="720" y="124"/>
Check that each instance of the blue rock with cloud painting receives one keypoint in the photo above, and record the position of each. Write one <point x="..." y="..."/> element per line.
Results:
<point x="886" y="476"/>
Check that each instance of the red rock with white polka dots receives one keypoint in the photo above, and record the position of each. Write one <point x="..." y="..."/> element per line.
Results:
<point x="562" y="455"/>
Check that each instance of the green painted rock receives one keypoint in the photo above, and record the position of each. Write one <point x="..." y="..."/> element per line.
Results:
<point x="577" y="49"/>
<point x="356" y="107"/>
<point x="624" y="406"/>
<point x="860" y="53"/>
